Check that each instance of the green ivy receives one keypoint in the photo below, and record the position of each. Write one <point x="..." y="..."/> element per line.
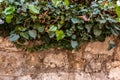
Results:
<point x="59" y="22"/>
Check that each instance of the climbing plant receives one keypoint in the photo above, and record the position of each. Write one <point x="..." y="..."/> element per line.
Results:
<point x="62" y="23"/>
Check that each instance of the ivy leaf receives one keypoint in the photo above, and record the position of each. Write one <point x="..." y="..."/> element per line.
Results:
<point x="69" y="33"/>
<point x="97" y="32"/>
<point x="59" y="34"/>
<point x="74" y="37"/>
<point x="114" y="32"/>
<point x="111" y="20"/>
<point x="75" y="20"/>
<point x="52" y="28"/>
<point x="80" y="27"/>
<point x="33" y="33"/>
<point x="14" y="37"/>
<point x="117" y="27"/>
<point x="33" y="9"/>
<point x="118" y="11"/>
<point x="96" y="11"/>
<point x="101" y="21"/>
<point x="20" y="28"/>
<point x="74" y="44"/>
<point x="56" y="3"/>
<point x="9" y="18"/>
<point x="51" y="34"/>
<point x="66" y="3"/>
<point x="88" y="27"/>
<point x="24" y="35"/>
<point x="40" y="28"/>
<point x="9" y="10"/>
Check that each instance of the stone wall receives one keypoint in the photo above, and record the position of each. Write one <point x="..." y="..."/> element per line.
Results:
<point x="93" y="61"/>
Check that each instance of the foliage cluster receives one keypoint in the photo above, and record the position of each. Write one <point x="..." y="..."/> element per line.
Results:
<point x="60" y="22"/>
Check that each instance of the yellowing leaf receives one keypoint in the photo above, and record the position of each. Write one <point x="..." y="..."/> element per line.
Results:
<point x="59" y="34"/>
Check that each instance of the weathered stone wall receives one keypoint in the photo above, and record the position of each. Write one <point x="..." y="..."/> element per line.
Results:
<point x="91" y="62"/>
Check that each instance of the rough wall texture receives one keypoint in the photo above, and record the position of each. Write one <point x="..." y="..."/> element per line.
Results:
<point x="91" y="62"/>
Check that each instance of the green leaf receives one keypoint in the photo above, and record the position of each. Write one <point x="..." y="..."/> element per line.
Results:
<point x="33" y="33"/>
<point x="75" y="20"/>
<point x="69" y="33"/>
<point x="33" y="17"/>
<point x="9" y="10"/>
<point x="74" y="37"/>
<point x="52" y="28"/>
<point x="102" y="21"/>
<point x="24" y="35"/>
<point x="20" y="28"/>
<point x="117" y="27"/>
<point x="9" y="18"/>
<point x="14" y="37"/>
<point x="39" y="27"/>
<point x="66" y="3"/>
<point x="96" y="11"/>
<point x="59" y="34"/>
<point x="111" y="20"/>
<point x="114" y="32"/>
<point x="118" y="11"/>
<point x="97" y="32"/>
<point x="88" y="27"/>
<point x="56" y="3"/>
<point x="80" y="27"/>
<point x="74" y="44"/>
<point x="33" y="9"/>
<point x="51" y="34"/>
